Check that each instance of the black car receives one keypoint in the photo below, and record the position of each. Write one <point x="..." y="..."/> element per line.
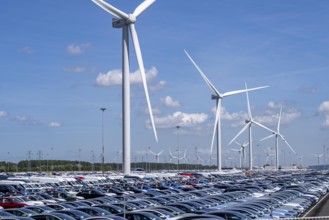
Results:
<point x="91" y="193"/>
<point x="111" y="208"/>
<point x="94" y="211"/>
<point x="40" y="209"/>
<point x="52" y="216"/>
<point x="140" y="215"/>
<point x="77" y="214"/>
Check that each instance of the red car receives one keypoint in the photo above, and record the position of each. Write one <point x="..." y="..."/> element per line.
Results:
<point x="8" y="202"/>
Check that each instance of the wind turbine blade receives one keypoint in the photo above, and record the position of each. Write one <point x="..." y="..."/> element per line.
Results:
<point x="215" y="125"/>
<point x="171" y="155"/>
<point x="212" y="87"/>
<point x="242" y="91"/>
<point x="237" y="143"/>
<point x="142" y="7"/>
<point x="278" y="129"/>
<point x="260" y="125"/>
<point x="152" y="152"/>
<point x="160" y="152"/>
<point x="287" y="144"/>
<point x="110" y="9"/>
<point x="248" y="103"/>
<point x="242" y="130"/>
<point x="142" y="72"/>
<point x="272" y="135"/>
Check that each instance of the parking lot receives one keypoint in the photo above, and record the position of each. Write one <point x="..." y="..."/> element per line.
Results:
<point x="155" y="196"/>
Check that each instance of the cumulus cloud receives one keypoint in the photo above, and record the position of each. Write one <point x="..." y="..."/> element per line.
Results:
<point x="169" y="102"/>
<point x="54" y="125"/>
<point x="269" y="117"/>
<point x="159" y="86"/>
<point x="182" y="119"/>
<point x="76" y="49"/>
<point x="3" y="114"/>
<point x="271" y="114"/>
<point x="324" y="110"/>
<point x="114" y="77"/>
<point x="155" y="111"/>
<point x="77" y="69"/>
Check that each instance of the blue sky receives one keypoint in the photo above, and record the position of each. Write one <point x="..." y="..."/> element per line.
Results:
<point x="61" y="62"/>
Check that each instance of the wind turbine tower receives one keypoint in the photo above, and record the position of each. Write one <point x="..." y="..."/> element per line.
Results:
<point x="127" y="23"/>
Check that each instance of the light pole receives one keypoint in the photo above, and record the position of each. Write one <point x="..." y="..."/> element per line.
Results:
<point x="79" y="159"/>
<point x="8" y="162"/>
<point x="92" y="160"/>
<point x="52" y="164"/>
<point x="178" y="146"/>
<point x="103" y="109"/>
<point x="324" y="154"/>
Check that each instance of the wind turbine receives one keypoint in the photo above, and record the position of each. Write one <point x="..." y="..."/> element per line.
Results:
<point x="300" y="159"/>
<point x="268" y="155"/>
<point x="218" y="97"/>
<point x="243" y="151"/>
<point x="240" y="155"/>
<point x="318" y="156"/>
<point x="249" y="122"/>
<point x="277" y="134"/>
<point x="157" y="155"/>
<point x="127" y="23"/>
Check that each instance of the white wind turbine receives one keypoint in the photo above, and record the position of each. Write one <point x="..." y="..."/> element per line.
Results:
<point x="240" y="156"/>
<point x="318" y="156"/>
<point x="268" y="155"/>
<point x="277" y="134"/>
<point x="157" y="155"/>
<point x="243" y="151"/>
<point x="249" y="122"/>
<point x="218" y="97"/>
<point x="127" y="22"/>
<point x="300" y="159"/>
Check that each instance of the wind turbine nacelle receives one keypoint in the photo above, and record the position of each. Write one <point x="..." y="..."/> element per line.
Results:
<point x="119" y="23"/>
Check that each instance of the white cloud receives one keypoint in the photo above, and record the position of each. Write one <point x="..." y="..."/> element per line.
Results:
<point x="155" y="111"/>
<point x="3" y="114"/>
<point x="77" y="69"/>
<point x="114" y="77"/>
<point x="54" y="125"/>
<point x="179" y="118"/>
<point x="159" y="86"/>
<point x="76" y="49"/>
<point x="324" y="107"/>
<point x="169" y="102"/>
<point x="270" y="116"/>
<point x="225" y="115"/>
<point x="324" y="110"/>
<point x="325" y="123"/>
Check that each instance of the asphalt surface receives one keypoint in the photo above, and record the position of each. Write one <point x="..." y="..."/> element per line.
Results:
<point x="321" y="209"/>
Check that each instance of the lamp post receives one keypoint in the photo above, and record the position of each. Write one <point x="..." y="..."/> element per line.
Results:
<point x="324" y="154"/>
<point x="92" y="160"/>
<point x="178" y="146"/>
<point x="79" y="159"/>
<point x="52" y="164"/>
<point x="8" y="162"/>
<point x="103" y="109"/>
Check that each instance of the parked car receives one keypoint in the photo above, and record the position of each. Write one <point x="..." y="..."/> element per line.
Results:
<point x="8" y="202"/>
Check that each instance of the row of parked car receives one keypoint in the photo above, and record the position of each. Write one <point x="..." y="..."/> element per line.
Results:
<point x="185" y="196"/>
